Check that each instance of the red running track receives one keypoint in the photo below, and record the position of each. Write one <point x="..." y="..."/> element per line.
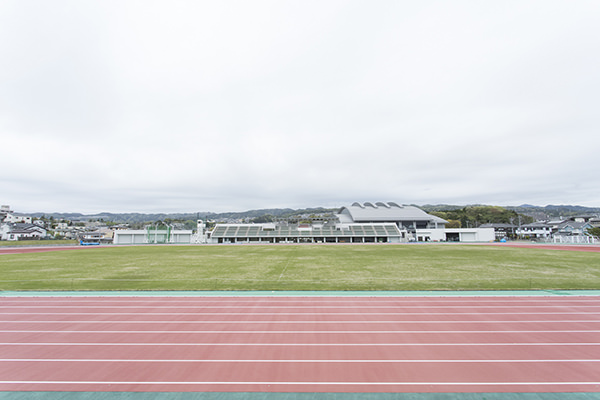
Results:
<point x="43" y="249"/>
<point x="301" y="344"/>
<point x="542" y="246"/>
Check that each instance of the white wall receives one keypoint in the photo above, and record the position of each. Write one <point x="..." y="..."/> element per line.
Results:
<point x="128" y="236"/>
<point x="465" y="235"/>
<point x="430" y="235"/>
<point x="181" y="237"/>
<point x="474" y="235"/>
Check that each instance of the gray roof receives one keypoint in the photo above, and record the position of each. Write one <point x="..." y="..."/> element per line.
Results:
<point x="498" y="226"/>
<point x="25" y="228"/>
<point x="574" y="224"/>
<point x="536" y="225"/>
<point x="387" y="212"/>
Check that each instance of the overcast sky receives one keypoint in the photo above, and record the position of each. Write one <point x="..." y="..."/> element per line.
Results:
<point x="185" y="106"/>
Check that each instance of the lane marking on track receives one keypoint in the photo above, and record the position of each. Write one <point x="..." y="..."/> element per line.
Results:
<point x="300" y="332"/>
<point x="49" y="302"/>
<point x="482" y="297"/>
<point x="304" y="322"/>
<point x="476" y="361"/>
<point x="297" y="344"/>
<point x="303" y="314"/>
<point x="470" y="307"/>
<point x="302" y="383"/>
<point x="216" y="301"/>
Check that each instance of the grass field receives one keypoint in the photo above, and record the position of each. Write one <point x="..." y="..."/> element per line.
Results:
<point x="301" y="267"/>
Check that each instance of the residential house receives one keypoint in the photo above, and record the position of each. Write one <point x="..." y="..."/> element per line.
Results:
<point x="502" y="231"/>
<point x="572" y="228"/>
<point x="4" y="211"/>
<point x="535" y="230"/>
<point x="22" y="231"/>
<point x="12" y="218"/>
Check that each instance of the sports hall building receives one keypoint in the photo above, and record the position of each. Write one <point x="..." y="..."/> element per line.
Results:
<point x="358" y="223"/>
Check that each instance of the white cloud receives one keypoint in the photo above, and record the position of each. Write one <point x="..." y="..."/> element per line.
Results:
<point x="186" y="106"/>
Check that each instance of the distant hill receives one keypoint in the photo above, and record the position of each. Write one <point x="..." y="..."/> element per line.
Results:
<point x="550" y="209"/>
<point x="444" y="207"/>
<point x="141" y="217"/>
<point x="116" y="217"/>
<point x="537" y="212"/>
<point x="555" y="211"/>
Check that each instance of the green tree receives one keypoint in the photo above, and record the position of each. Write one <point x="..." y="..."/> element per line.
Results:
<point x="595" y="232"/>
<point x="263" y="218"/>
<point x="190" y="224"/>
<point x="473" y="216"/>
<point x="453" y="223"/>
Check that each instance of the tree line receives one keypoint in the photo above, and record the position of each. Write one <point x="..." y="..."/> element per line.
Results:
<point x="475" y="216"/>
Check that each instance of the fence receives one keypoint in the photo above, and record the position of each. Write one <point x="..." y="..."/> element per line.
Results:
<point x="578" y="239"/>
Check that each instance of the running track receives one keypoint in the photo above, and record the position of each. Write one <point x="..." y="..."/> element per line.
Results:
<point x="300" y="344"/>
<point x="568" y="247"/>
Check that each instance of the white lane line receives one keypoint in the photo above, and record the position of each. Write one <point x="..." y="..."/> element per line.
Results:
<point x="303" y="383"/>
<point x="303" y="313"/>
<point x="295" y="306"/>
<point x="219" y="305"/>
<point x="477" y="361"/>
<point x="362" y="322"/>
<point x="597" y="321"/>
<point x="306" y="299"/>
<point x="301" y="332"/>
<point x="298" y="344"/>
<point x="318" y="303"/>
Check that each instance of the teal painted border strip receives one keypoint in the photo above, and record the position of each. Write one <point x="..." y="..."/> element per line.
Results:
<point x="466" y="293"/>
<point x="290" y="396"/>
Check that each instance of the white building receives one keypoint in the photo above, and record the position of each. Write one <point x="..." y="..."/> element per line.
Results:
<point x="11" y="218"/>
<point x="470" y="235"/>
<point x="153" y="235"/>
<point x="536" y="230"/>
<point x="22" y="231"/>
<point x="572" y="230"/>
<point x="418" y="225"/>
<point x="306" y="233"/>
<point x="406" y="217"/>
<point x="358" y="223"/>
<point x="4" y="211"/>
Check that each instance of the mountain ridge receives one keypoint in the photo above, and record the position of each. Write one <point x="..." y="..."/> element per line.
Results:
<point x="550" y="211"/>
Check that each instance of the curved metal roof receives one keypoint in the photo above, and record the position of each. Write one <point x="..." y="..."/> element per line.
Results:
<point x="387" y="212"/>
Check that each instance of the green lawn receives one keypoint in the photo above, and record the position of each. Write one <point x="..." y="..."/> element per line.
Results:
<point x="301" y="267"/>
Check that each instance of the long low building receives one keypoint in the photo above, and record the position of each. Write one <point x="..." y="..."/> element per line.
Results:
<point x="467" y="235"/>
<point x="271" y="233"/>
<point x="152" y="236"/>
